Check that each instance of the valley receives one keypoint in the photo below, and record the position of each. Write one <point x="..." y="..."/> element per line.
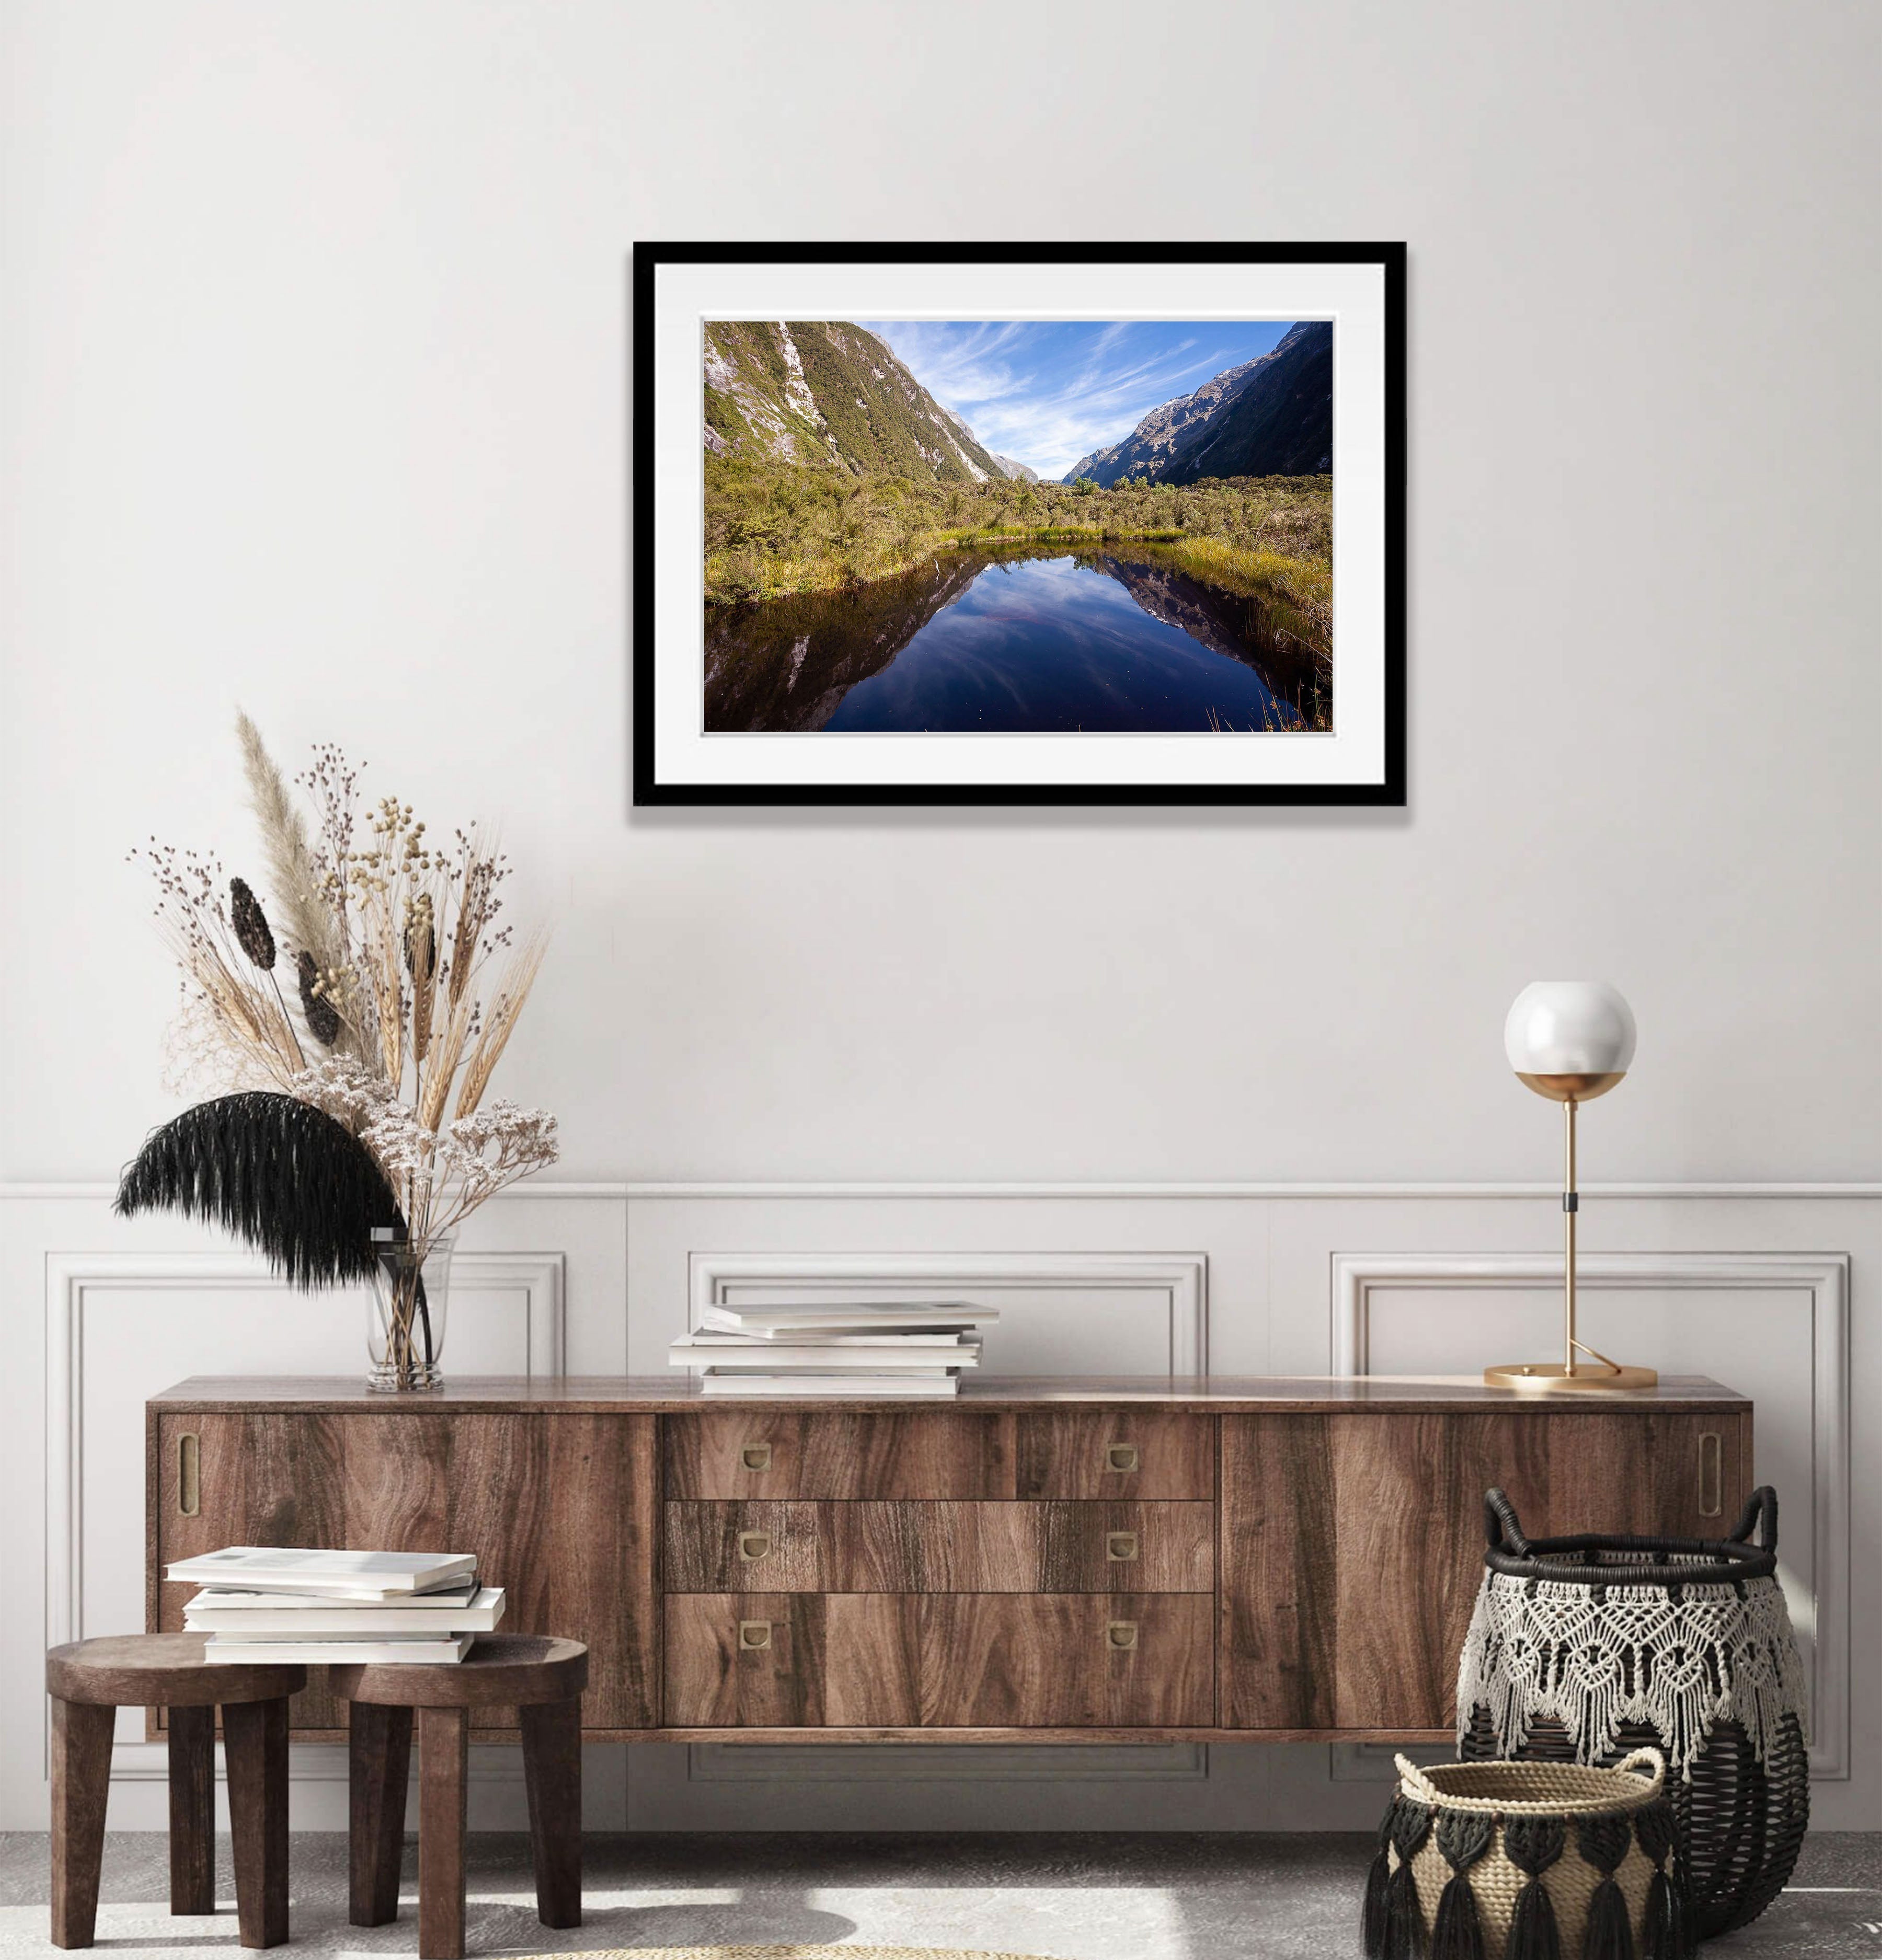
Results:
<point x="831" y="470"/>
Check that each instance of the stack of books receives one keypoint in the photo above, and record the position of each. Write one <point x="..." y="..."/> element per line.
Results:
<point x="265" y="1603"/>
<point x="896" y="1349"/>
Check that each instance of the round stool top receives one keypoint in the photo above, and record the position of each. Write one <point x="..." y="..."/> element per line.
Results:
<point x="161" y="1671"/>
<point x="501" y="1670"/>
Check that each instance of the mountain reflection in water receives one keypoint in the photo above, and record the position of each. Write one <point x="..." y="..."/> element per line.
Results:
<point x="977" y="643"/>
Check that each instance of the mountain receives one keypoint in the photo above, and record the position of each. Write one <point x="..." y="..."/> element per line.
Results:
<point x="1272" y="416"/>
<point x="1024" y="473"/>
<point x="824" y="391"/>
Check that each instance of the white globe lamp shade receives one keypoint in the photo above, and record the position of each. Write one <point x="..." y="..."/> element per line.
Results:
<point x="1570" y="1039"/>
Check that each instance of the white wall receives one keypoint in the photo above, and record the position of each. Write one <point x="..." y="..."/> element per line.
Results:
<point x="313" y="385"/>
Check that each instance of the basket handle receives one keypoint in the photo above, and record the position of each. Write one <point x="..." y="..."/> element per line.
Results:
<point x="1761" y="1514"/>
<point x="1415" y="1782"/>
<point x="1500" y="1526"/>
<point x="1637" y="1760"/>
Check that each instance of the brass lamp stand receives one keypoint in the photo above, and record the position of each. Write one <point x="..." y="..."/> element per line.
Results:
<point x="1574" y="1022"/>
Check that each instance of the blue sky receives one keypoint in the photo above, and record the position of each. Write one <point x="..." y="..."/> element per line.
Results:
<point x="1047" y="392"/>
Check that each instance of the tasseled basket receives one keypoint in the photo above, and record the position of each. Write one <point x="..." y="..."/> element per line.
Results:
<point x="1529" y="1861"/>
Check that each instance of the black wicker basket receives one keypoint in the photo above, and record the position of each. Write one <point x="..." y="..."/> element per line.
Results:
<point x="1584" y="1648"/>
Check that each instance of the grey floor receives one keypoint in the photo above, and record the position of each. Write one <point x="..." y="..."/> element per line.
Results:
<point x="1083" y="1896"/>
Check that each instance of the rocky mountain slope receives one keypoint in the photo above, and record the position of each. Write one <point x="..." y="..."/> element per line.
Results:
<point x="1272" y="416"/>
<point x="1020" y="472"/>
<point x="825" y="391"/>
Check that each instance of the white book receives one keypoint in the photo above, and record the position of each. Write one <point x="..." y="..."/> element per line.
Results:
<point x="772" y="1372"/>
<point x="355" y="1575"/>
<point x="955" y="1316"/>
<point x="226" y="1653"/>
<point x="865" y="1386"/>
<point x="474" y="1609"/>
<point x="878" y="1357"/>
<point x="946" y="1337"/>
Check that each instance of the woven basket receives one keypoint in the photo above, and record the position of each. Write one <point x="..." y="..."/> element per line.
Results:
<point x="1583" y="1647"/>
<point x="1528" y="1861"/>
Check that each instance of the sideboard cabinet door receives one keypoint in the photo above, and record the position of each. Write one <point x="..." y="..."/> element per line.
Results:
<point x="221" y="1478"/>
<point x="560" y="1508"/>
<point x="1352" y="1545"/>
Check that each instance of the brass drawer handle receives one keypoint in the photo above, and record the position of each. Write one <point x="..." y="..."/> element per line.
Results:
<point x="1120" y="1547"/>
<point x="188" y="1475"/>
<point x="755" y="1456"/>
<point x="1122" y="1634"/>
<point x="753" y="1634"/>
<point x="1712" y="1474"/>
<point x="1121" y="1456"/>
<point x="754" y="1545"/>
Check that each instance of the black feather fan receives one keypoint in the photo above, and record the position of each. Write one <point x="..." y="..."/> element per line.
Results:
<point x="285" y="1176"/>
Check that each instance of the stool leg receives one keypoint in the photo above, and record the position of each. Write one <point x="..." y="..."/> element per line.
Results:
<point x="191" y="1809"/>
<point x="443" y="1767"/>
<point x="379" y="1759"/>
<point x="551" y="1771"/>
<point x="255" y="1748"/>
<point x="81" y="1777"/>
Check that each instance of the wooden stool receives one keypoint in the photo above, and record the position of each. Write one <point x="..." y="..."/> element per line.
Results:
<point x="541" y="1679"/>
<point x="89" y="1681"/>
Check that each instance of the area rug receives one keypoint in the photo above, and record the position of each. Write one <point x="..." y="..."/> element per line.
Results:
<point x="820" y="1951"/>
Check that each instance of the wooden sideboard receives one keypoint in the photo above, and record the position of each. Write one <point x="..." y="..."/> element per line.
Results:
<point x="1140" y="1559"/>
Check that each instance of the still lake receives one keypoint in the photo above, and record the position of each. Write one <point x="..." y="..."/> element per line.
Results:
<point x="1041" y="641"/>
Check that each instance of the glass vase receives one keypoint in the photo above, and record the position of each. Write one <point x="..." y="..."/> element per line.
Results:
<point x="405" y="1319"/>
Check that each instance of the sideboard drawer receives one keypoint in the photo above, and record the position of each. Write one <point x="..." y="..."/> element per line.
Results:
<point x="1068" y="1661"/>
<point x="941" y="1661"/>
<point x="1114" y="1453"/>
<point x="861" y="1546"/>
<point x="838" y="1452"/>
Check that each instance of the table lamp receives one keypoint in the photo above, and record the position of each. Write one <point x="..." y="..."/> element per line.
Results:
<point x="1571" y="1041"/>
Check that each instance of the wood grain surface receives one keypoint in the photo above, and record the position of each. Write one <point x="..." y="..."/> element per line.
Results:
<point x="1278" y="1532"/>
<point x="917" y="1570"/>
<point x="1216" y="1395"/>
<point x="378" y="1767"/>
<point x="792" y="1660"/>
<point x="1002" y="1660"/>
<point x="1069" y="1453"/>
<point x="562" y="1509"/>
<point x="839" y="1452"/>
<point x="444" y="1788"/>
<point x="1353" y="1546"/>
<point x="191" y="1810"/>
<point x="129" y="1670"/>
<point x="552" y="1776"/>
<point x="81" y="1781"/>
<point x="501" y="1670"/>
<point x="861" y="1546"/>
<point x="265" y="1479"/>
<point x="938" y="1660"/>
<point x="255" y="1759"/>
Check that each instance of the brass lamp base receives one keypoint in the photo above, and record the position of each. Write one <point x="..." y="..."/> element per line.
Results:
<point x="1550" y="1378"/>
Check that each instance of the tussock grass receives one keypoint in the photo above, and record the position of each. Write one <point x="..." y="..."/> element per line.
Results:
<point x="773" y="529"/>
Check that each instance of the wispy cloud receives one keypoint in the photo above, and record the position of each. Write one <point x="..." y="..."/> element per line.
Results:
<point x="1046" y="393"/>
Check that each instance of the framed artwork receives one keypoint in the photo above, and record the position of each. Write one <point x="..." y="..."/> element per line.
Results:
<point x="1021" y="524"/>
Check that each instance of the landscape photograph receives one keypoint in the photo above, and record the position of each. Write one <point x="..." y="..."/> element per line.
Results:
<point x="1037" y="527"/>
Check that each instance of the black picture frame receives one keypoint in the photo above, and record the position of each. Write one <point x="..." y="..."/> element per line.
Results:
<point x="649" y="790"/>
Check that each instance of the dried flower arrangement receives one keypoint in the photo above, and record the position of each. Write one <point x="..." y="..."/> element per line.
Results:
<point x="395" y="1030"/>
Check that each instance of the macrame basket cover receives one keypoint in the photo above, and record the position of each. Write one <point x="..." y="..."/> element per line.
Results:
<point x="1529" y="1861"/>
<point x="1581" y="1648"/>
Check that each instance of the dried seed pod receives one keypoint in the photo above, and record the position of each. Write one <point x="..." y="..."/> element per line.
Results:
<point x="251" y="924"/>
<point x="323" y="1019"/>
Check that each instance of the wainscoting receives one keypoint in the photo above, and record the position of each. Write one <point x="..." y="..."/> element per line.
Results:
<point x="1757" y="1287"/>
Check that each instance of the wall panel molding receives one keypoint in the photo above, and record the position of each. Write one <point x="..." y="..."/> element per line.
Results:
<point x="72" y="1278"/>
<point x="1823" y="1278"/>
<point x="1182" y="1277"/>
<point x="99" y="1190"/>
